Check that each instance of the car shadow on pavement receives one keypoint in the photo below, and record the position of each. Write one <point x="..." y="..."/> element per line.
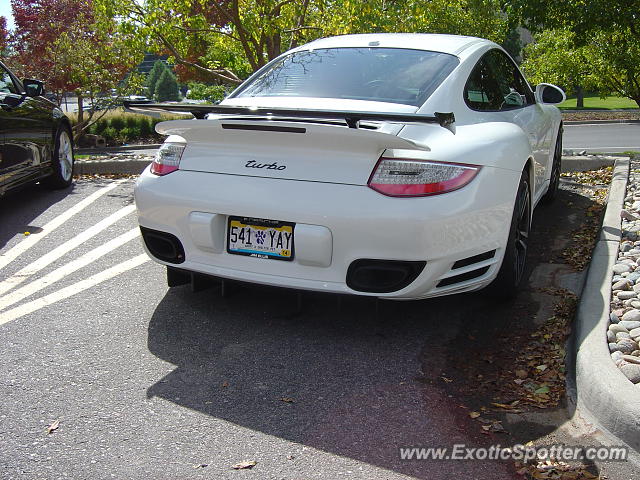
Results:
<point x="19" y="208"/>
<point x="342" y="380"/>
<point x="347" y="375"/>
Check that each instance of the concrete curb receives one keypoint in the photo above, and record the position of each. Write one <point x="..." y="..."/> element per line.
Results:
<point x="580" y="163"/>
<point x="105" y="167"/>
<point x="597" y="122"/>
<point x="602" y="390"/>
<point x="107" y="150"/>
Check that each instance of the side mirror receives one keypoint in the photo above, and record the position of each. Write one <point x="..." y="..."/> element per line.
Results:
<point x="549" y="94"/>
<point x="34" y="88"/>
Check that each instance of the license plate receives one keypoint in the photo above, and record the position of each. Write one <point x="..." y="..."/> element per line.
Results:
<point x="260" y="238"/>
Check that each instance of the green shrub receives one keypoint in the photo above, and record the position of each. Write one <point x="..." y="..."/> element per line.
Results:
<point x="211" y="93"/>
<point x="145" y="127"/>
<point x="132" y="121"/>
<point x="118" y="123"/>
<point x="128" y="134"/>
<point x="109" y="133"/>
<point x="100" y="126"/>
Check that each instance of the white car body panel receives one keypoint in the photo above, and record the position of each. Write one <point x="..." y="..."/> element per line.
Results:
<point x="363" y="224"/>
<point x="323" y="187"/>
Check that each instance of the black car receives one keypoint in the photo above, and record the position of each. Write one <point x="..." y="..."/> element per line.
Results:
<point x="36" y="143"/>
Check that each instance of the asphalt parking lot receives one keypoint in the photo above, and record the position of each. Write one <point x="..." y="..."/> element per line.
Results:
<point x="145" y="382"/>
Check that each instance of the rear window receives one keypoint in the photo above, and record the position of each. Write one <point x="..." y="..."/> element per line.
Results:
<point x="376" y="74"/>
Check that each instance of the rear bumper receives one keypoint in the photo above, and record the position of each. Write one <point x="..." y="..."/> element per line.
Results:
<point x="336" y="225"/>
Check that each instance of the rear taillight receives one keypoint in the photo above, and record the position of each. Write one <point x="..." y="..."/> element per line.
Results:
<point x="399" y="177"/>
<point x="167" y="158"/>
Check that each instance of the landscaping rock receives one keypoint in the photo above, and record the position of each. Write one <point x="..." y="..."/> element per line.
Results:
<point x="624" y="284"/>
<point x="615" y="356"/>
<point x="631" y="371"/>
<point x="628" y="324"/>
<point x="616" y="327"/>
<point x="631" y="359"/>
<point x="621" y="268"/>
<point x="626" y="345"/>
<point x="627" y="295"/>
<point x="632" y="316"/>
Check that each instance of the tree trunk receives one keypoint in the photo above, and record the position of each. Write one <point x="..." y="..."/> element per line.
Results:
<point x="78" y="128"/>
<point x="80" y="110"/>
<point x="579" y="97"/>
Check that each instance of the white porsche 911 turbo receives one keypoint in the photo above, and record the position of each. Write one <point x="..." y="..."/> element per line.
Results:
<point x="401" y="166"/>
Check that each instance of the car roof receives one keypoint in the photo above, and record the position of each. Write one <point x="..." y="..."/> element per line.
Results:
<point x="451" y="44"/>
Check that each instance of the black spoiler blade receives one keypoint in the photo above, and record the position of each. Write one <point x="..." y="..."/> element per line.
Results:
<point x="351" y="118"/>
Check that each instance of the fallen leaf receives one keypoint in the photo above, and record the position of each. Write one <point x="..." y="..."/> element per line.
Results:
<point x="287" y="400"/>
<point x="447" y="380"/>
<point x="225" y="384"/>
<point x="497" y="427"/>
<point x="521" y="374"/>
<point x="201" y="465"/>
<point x="244" y="464"/>
<point x="542" y="368"/>
<point x="474" y="414"/>
<point x="53" y="427"/>
<point x="542" y="390"/>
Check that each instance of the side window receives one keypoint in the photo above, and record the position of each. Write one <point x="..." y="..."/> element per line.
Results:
<point x="508" y="89"/>
<point x="481" y="91"/>
<point x="6" y="82"/>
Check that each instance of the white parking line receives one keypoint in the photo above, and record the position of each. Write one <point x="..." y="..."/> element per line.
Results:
<point x="62" y="249"/>
<point x="31" y="240"/>
<point x="37" y="304"/>
<point x="61" y="272"/>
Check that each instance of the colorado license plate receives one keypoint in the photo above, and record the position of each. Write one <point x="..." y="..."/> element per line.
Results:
<point x="260" y="238"/>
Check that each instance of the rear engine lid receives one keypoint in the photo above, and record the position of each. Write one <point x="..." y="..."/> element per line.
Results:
<point x="292" y="150"/>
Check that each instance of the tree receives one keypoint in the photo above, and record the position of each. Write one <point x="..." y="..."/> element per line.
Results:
<point x="226" y="40"/>
<point x="616" y="60"/>
<point x="580" y="16"/>
<point x="554" y="57"/>
<point x="210" y="93"/>
<point x="59" y="42"/>
<point x="167" y="87"/>
<point x="4" y="35"/>
<point x="608" y="31"/>
<point x="159" y="67"/>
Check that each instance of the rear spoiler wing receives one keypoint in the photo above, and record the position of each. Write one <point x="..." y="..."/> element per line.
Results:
<point x="351" y="118"/>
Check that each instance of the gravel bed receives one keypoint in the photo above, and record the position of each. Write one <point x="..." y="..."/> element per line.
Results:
<point x="623" y="335"/>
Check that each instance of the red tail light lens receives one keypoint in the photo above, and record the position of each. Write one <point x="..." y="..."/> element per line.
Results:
<point x="399" y="177"/>
<point x="167" y="158"/>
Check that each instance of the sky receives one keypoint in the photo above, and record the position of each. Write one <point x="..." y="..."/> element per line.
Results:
<point x="5" y="11"/>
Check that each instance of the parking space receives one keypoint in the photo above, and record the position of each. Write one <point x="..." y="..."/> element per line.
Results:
<point x="146" y="382"/>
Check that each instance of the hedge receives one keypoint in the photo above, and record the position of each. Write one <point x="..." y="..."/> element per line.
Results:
<point x="118" y="127"/>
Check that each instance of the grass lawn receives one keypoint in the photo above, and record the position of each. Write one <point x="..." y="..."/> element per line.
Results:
<point x="591" y="102"/>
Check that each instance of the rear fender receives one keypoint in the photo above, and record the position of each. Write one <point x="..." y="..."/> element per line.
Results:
<point x="492" y="144"/>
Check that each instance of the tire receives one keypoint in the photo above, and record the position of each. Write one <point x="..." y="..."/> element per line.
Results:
<point x="62" y="161"/>
<point x="554" y="183"/>
<point x="507" y="284"/>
